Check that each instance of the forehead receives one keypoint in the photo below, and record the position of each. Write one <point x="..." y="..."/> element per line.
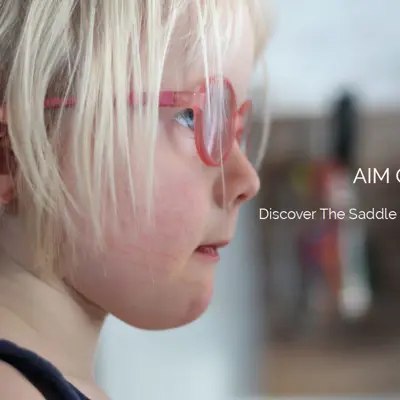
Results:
<point x="188" y="61"/>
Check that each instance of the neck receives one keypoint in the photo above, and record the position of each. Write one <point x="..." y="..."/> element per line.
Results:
<point x="49" y="319"/>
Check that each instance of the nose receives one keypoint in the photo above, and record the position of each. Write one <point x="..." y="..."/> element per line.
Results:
<point x="238" y="181"/>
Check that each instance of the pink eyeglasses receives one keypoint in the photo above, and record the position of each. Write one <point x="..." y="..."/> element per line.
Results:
<point x="215" y="126"/>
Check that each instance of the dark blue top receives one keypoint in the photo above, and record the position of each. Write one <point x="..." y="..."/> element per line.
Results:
<point x="39" y="372"/>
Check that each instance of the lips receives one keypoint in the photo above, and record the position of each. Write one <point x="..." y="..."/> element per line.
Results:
<point x="211" y="250"/>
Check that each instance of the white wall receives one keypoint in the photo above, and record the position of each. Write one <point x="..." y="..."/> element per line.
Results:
<point x="321" y="45"/>
<point x="214" y="358"/>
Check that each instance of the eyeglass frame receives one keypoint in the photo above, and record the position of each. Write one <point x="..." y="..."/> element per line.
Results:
<point x="180" y="99"/>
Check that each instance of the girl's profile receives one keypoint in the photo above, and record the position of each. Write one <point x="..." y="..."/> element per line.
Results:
<point x="123" y="166"/>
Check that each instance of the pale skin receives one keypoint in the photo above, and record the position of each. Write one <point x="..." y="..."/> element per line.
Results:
<point x="61" y="320"/>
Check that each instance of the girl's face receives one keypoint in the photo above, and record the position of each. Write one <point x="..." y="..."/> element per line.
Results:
<point x="153" y="276"/>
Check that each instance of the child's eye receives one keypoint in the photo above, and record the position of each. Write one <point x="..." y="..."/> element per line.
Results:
<point x="186" y="118"/>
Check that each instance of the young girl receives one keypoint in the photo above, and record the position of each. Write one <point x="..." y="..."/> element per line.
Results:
<point x="121" y="173"/>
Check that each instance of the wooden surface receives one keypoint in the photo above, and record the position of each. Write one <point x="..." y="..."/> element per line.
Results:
<point x="308" y="370"/>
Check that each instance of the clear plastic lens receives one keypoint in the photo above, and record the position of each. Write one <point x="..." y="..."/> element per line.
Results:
<point x="217" y="123"/>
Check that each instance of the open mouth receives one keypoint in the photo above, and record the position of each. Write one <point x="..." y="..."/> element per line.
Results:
<point x="211" y="250"/>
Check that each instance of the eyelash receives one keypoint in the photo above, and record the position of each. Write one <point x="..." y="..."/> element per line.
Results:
<point x="182" y="118"/>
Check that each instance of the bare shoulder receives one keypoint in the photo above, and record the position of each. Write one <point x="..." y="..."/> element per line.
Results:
<point x="14" y="386"/>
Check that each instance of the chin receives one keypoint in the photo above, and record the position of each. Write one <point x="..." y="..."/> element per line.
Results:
<point x="193" y="314"/>
<point x="175" y="319"/>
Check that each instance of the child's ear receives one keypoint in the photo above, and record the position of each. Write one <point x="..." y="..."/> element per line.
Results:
<point x="7" y="162"/>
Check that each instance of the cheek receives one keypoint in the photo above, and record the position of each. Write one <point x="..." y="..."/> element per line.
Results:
<point x="179" y="215"/>
<point x="147" y="276"/>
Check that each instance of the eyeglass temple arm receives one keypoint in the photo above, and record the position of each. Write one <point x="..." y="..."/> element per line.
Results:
<point x="166" y="99"/>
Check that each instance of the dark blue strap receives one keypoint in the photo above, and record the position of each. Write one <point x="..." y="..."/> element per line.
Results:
<point x="39" y="372"/>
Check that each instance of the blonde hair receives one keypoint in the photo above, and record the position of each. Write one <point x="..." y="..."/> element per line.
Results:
<point x="94" y="50"/>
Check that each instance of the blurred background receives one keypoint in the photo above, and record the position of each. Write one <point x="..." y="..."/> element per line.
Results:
<point x="301" y="307"/>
